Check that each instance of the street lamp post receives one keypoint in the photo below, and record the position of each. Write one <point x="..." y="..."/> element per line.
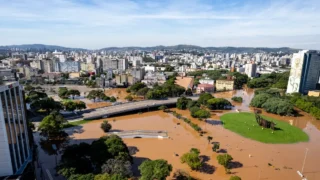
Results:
<point x="304" y="161"/>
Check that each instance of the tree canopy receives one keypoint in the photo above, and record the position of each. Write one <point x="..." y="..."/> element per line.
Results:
<point x="157" y="169"/>
<point x="182" y="102"/>
<point x="192" y="159"/>
<point x="218" y="103"/>
<point x="51" y="126"/>
<point x="99" y="156"/>
<point x="273" y="80"/>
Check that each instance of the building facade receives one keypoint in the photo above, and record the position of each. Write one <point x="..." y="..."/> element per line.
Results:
<point x="224" y="85"/>
<point x="14" y="142"/>
<point x="305" y="72"/>
<point x="250" y="70"/>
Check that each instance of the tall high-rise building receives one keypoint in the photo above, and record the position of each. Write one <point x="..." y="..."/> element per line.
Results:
<point x="251" y="69"/>
<point x="305" y="72"/>
<point x="14" y="142"/>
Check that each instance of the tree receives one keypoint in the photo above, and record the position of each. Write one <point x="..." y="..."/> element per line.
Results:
<point x="106" y="126"/>
<point x="192" y="104"/>
<point x="113" y="99"/>
<point x="96" y="94"/>
<point x="70" y="105"/>
<point x="182" y="175"/>
<point x="116" y="166"/>
<point x="89" y="176"/>
<point x="142" y="92"/>
<point x="169" y="68"/>
<point x="51" y="125"/>
<point x="35" y="96"/>
<point x="193" y="111"/>
<point x="218" y="103"/>
<point x="259" y="100"/>
<point x="278" y="106"/>
<point x="209" y="138"/>
<point x="189" y="92"/>
<point x="240" y="79"/>
<point x="136" y="87"/>
<point x="129" y="98"/>
<point x="63" y="93"/>
<point x="192" y="159"/>
<point x="237" y="99"/>
<point x="163" y="108"/>
<point x="80" y="105"/>
<point x="202" y="114"/>
<point x="109" y="177"/>
<point x="224" y="160"/>
<point x="204" y="97"/>
<point x="215" y="147"/>
<point x="47" y="104"/>
<point x="182" y="102"/>
<point x="157" y="169"/>
<point x="235" y="178"/>
<point x="28" y="88"/>
<point x="73" y="92"/>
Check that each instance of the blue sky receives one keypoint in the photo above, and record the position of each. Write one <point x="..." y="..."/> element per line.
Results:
<point x="96" y="24"/>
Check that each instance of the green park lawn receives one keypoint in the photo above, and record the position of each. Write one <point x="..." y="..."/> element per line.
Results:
<point x="245" y="124"/>
<point x="75" y="123"/>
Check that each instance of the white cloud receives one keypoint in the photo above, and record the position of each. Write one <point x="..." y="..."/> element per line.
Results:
<point x="123" y="22"/>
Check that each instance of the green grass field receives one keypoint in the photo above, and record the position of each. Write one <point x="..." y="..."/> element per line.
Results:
<point x="245" y="124"/>
<point x="75" y="123"/>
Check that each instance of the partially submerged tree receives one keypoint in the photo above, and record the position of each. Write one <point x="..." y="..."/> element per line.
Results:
<point x="106" y="126"/>
<point x="157" y="169"/>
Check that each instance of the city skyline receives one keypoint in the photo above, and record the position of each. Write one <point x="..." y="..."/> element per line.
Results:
<point x="94" y="24"/>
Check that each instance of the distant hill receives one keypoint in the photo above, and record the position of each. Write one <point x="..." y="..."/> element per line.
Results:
<point x="40" y="47"/>
<point x="205" y="49"/>
<point x="176" y="48"/>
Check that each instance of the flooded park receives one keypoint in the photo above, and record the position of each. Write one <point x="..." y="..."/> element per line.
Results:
<point x="252" y="160"/>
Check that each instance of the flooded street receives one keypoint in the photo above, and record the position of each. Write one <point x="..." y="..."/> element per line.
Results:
<point x="267" y="161"/>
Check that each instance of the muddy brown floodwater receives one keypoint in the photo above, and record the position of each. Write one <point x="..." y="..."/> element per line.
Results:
<point x="251" y="157"/>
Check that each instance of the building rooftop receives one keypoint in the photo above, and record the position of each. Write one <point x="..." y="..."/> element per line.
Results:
<point x="205" y="85"/>
<point x="186" y="82"/>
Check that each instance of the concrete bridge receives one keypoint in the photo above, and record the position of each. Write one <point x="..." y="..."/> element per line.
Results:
<point x="142" y="134"/>
<point x="104" y="112"/>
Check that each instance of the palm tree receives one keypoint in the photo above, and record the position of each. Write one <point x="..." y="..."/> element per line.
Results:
<point x="209" y="138"/>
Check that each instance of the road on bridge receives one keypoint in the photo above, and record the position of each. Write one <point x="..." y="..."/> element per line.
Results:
<point x="125" y="107"/>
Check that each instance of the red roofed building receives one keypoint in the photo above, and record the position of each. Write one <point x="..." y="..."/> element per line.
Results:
<point x="205" y="88"/>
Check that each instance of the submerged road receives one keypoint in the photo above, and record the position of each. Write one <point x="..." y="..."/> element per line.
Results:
<point x="124" y="108"/>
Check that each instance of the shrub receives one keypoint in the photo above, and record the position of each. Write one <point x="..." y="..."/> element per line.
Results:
<point x="192" y="159"/>
<point x="106" y="126"/>
<point x="235" y="178"/>
<point x="237" y="99"/>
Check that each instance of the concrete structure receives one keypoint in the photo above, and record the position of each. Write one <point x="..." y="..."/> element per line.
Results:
<point x="224" y="85"/>
<point x="124" y="108"/>
<point x="8" y="74"/>
<point x="251" y="70"/>
<point x="305" y="72"/>
<point x="14" y="140"/>
<point x="205" y="88"/>
<point x="142" y="134"/>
